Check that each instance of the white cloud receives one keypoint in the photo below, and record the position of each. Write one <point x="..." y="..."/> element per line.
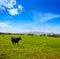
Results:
<point x="2" y="8"/>
<point x="13" y="11"/>
<point x="47" y="28"/>
<point x="20" y="7"/>
<point x="5" y="25"/>
<point x="9" y="5"/>
<point x="43" y="17"/>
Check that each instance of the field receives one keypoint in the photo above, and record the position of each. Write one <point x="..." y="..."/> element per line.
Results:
<point x="30" y="47"/>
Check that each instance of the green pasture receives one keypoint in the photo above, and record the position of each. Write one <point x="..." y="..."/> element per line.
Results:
<point x="30" y="47"/>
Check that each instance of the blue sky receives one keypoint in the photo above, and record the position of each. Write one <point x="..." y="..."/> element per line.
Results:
<point x="19" y="16"/>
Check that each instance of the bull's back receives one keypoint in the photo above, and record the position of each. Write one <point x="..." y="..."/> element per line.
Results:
<point x="14" y="39"/>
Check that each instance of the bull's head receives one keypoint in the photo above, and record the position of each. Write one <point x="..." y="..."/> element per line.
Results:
<point x="19" y="38"/>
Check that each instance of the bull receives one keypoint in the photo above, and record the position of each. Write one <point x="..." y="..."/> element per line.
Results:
<point x="15" y="40"/>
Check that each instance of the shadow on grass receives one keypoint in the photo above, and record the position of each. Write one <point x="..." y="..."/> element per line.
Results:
<point x="4" y="56"/>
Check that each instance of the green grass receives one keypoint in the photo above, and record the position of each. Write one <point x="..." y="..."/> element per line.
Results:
<point x="30" y="47"/>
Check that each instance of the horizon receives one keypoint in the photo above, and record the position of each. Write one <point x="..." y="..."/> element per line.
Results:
<point x="20" y="16"/>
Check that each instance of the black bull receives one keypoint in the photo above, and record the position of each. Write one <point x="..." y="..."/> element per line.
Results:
<point x="15" y="40"/>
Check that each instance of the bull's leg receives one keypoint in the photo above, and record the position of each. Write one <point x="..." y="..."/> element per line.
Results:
<point x="13" y="43"/>
<point x="17" y="43"/>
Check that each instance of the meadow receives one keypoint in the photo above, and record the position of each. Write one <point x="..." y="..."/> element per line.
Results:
<point x="30" y="47"/>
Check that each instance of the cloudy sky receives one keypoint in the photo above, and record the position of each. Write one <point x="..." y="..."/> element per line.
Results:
<point x="19" y="16"/>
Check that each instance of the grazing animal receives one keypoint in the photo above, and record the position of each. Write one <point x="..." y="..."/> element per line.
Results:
<point x="15" y="40"/>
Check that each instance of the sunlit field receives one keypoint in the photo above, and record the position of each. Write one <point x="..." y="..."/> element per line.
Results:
<point x="30" y="47"/>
